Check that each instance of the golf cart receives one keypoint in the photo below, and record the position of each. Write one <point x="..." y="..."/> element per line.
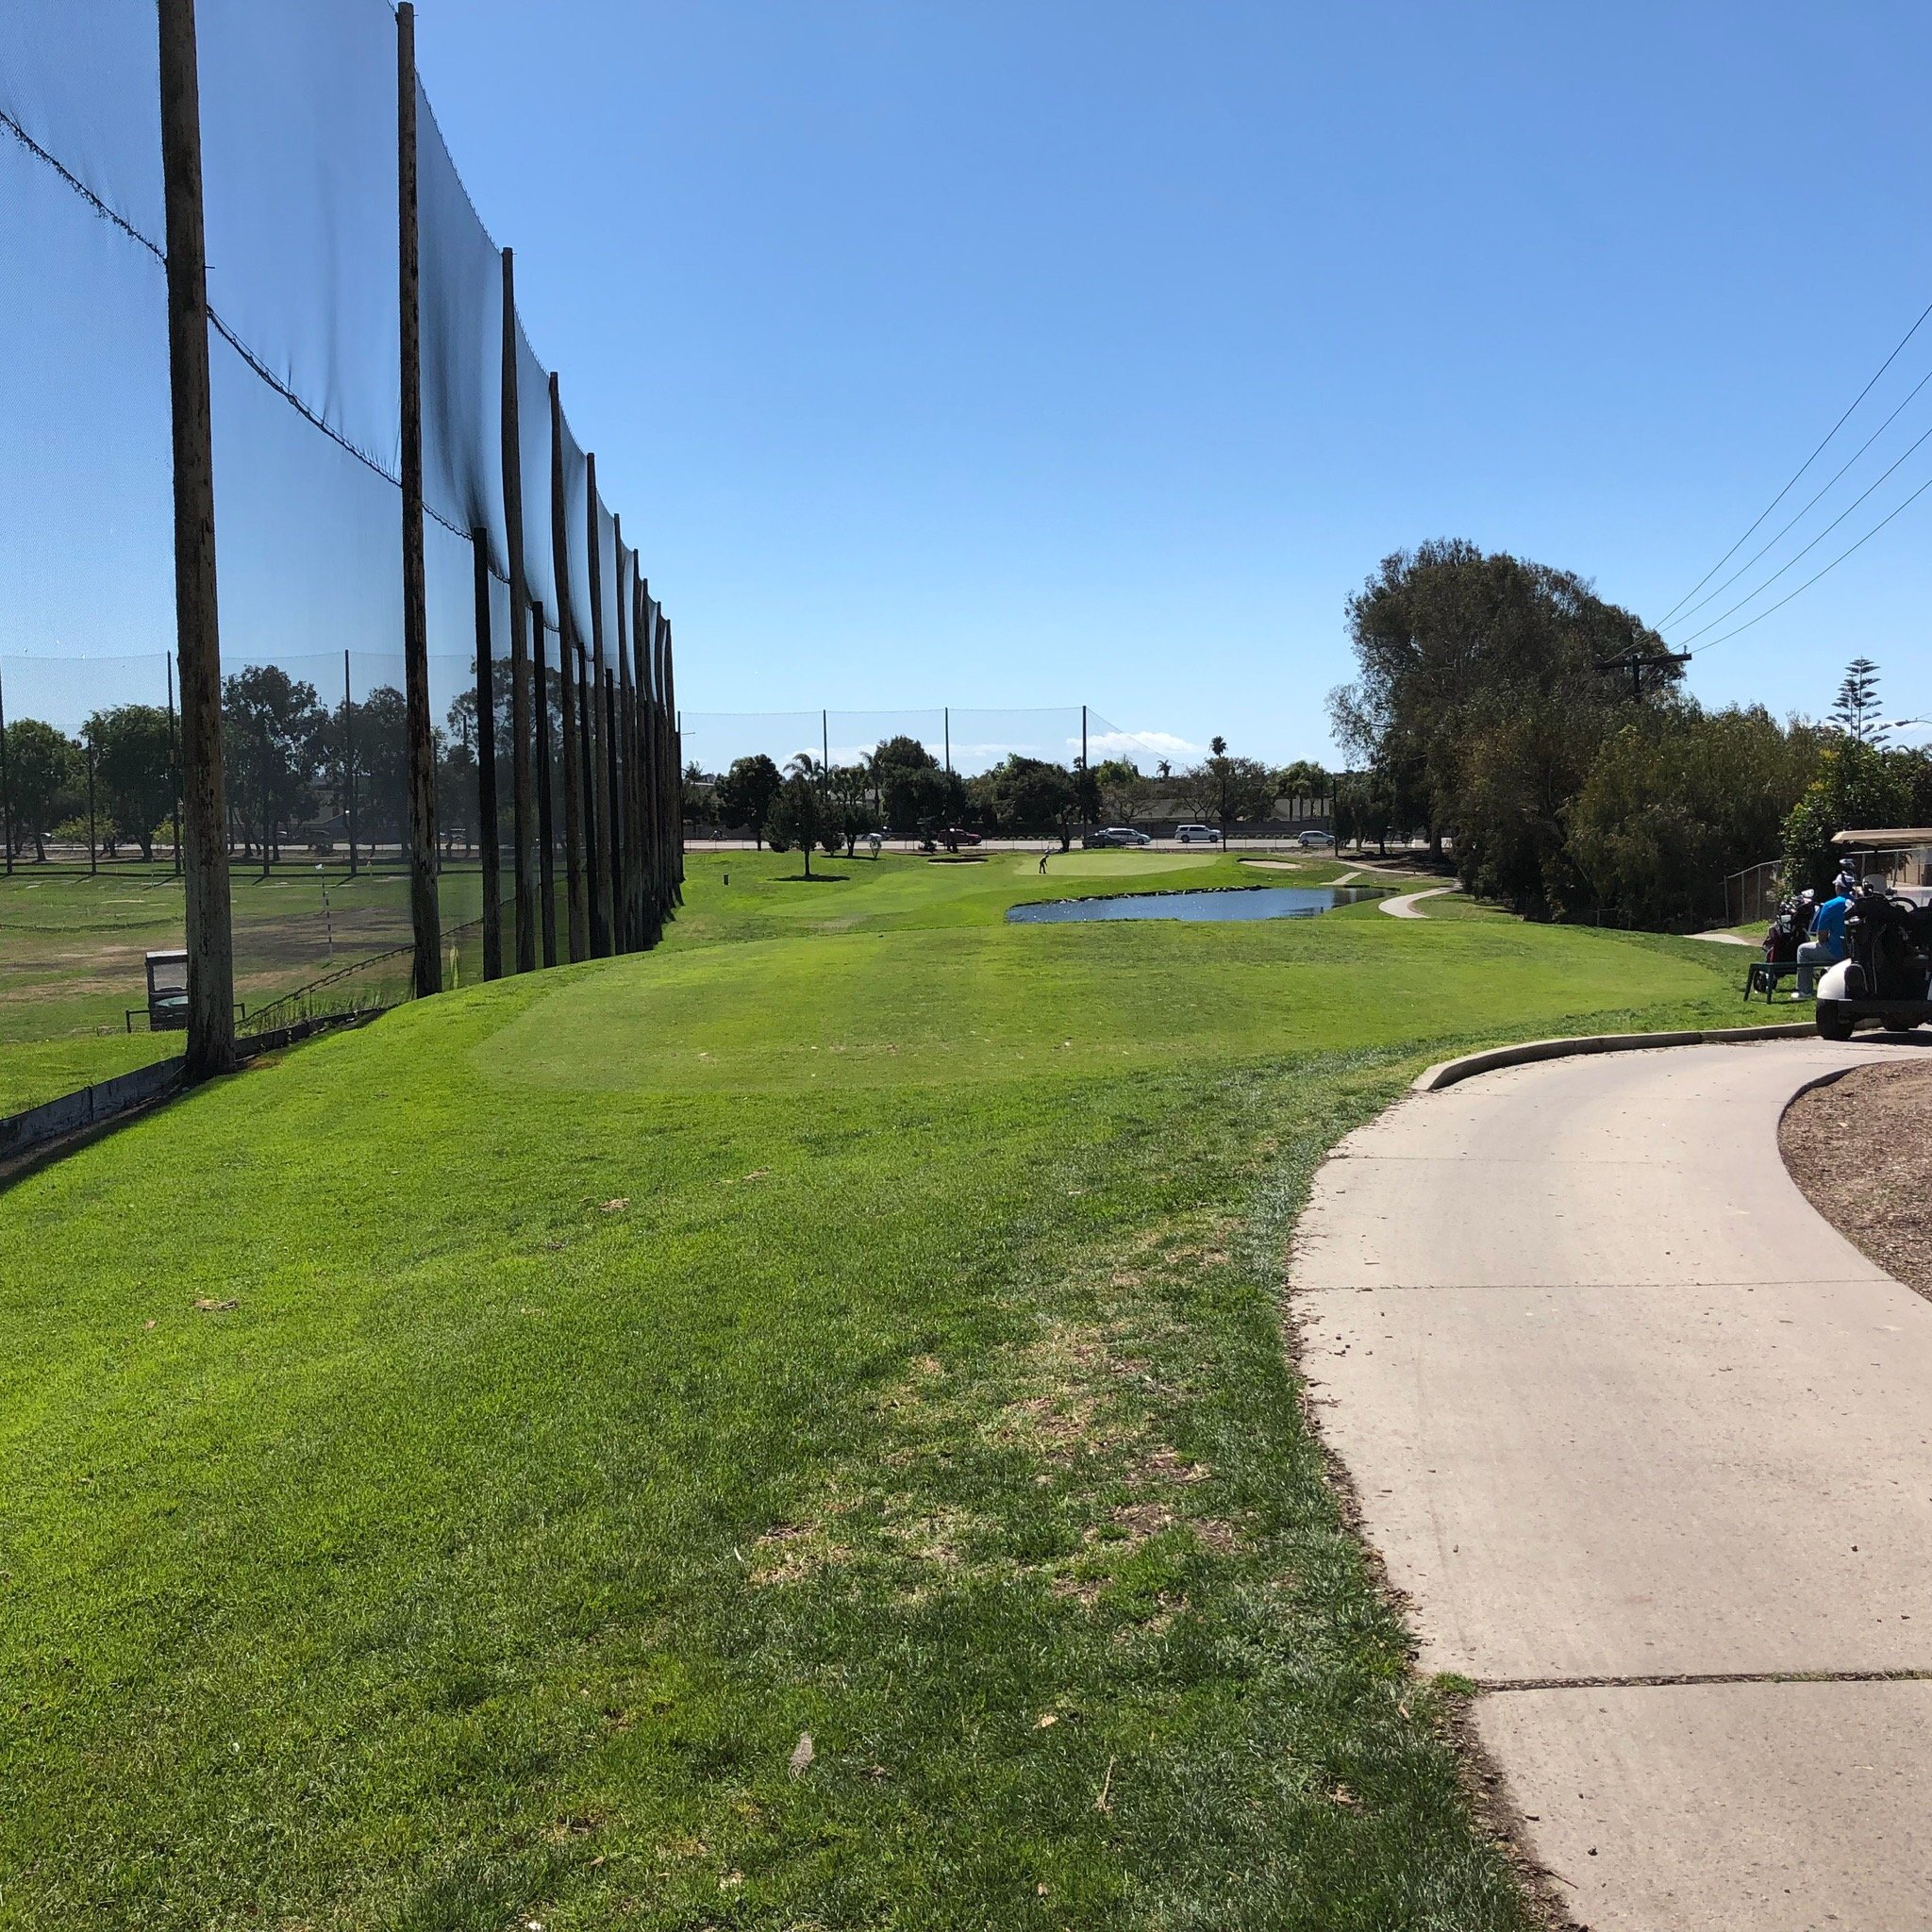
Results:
<point x="167" y="993"/>
<point x="1883" y="979"/>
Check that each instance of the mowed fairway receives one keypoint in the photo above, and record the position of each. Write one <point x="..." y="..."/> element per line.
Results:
<point x="856" y="1319"/>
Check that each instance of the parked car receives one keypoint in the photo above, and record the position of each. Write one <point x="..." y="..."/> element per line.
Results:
<point x="1309" y="841"/>
<point x="1118" y="835"/>
<point x="958" y="835"/>
<point x="1197" y="835"/>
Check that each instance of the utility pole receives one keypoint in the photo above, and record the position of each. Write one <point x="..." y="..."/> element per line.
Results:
<point x="210" y="937"/>
<point x="425" y="917"/>
<point x="1638" y="662"/>
<point x="93" y="866"/>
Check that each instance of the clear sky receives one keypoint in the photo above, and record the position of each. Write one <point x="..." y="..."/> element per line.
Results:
<point x="1027" y="354"/>
<point x="1021" y="355"/>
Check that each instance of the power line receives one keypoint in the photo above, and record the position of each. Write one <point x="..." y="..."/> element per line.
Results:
<point x="1751" y="596"/>
<point x="1774" y="542"/>
<point x="1797" y="473"/>
<point x="1811" y="580"/>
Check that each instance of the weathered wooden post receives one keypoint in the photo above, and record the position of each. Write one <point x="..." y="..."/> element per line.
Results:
<point x="674" y="766"/>
<point x="612" y="779"/>
<point x="197" y="629"/>
<point x="566" y="632"/>
<point x="648" y="787"/>
<point x="349" y="759"/>
<point x="546" y="843"/>
<point x="173" y="756"/>
<point x="520" y="726"/>
<point x="485" y="762"/>
<point x="7" y="783"/>
<point x="586" y="715"/>
<point x="643" y="649"/>
<point x="623" y="830"/>
<point x="596" y="792"/>
<point x="426" y="916"/>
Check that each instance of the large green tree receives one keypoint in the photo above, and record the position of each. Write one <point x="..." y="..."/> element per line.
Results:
<point x="1225" y="789"/>
<point x="274" y="741"/>
<point x="743" y="796"/>
<point x="1124" y="792"/>
<point x="136" y="769"/>
<point x="1032" y="798"/>
<point x="1678" y="799"/>
<point x="1857" y="786"/>
<point x="798" y="813"/>
<point x="41" y="767"/>
<point x="1480" y="698"/>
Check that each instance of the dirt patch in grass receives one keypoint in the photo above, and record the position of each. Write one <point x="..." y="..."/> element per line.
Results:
<point x="1861" y="1147"/>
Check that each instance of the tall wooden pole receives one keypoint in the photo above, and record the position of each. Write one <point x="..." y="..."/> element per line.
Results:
<point x="664" y="757"/>
<point x="622" y="823"/>
<point x="425" y="917"/>
<point x="643" y="649"/>
<point x="519" y="729"/>
<point x="546" y="842"/>
<point x="197" y="627"/>
<point x="674" y="764"/>
<point x="485" y="762"/>
<point x="566" y="679"/>
<point x="7" y="787"/>
<point x="640" y="626"/>
<point x="349" y="761"/>
<point x="597" y="792"/>
<point x="586" y="763"/>
<point x="612" y="780"/>
<point x="174" y="757"/>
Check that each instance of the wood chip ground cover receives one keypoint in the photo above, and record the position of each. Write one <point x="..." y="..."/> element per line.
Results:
<point x="484" y="1554"/>
<point x="1861" y="1147"/>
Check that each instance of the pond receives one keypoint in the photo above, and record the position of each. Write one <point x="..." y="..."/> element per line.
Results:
<point x="1254" y="902"/>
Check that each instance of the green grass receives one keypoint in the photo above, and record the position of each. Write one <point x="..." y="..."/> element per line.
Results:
<point x="71" y="951"/>
<point x="856" y="1319"/>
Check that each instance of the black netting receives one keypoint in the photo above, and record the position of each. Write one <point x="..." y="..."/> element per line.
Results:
<point x="298" y="132"/>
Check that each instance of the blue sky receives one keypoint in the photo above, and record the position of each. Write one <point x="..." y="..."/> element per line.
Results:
<point x="1008" y="355"/>
<point x="1033" y="354"/>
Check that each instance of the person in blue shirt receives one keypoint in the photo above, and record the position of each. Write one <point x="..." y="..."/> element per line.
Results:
<point x="1826" y="945"/>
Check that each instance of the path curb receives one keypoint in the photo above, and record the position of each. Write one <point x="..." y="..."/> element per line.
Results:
<point x="1447" y="1072"/>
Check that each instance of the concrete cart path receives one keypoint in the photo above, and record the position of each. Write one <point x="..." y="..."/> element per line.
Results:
<point x="1621" y="1407"/>
<point x="1405" y="906"/>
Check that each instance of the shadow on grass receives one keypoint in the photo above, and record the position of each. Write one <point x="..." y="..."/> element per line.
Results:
<point x="811" y="878"/>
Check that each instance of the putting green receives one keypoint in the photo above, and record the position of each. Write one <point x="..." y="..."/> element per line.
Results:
<point x="1107" y="865"/>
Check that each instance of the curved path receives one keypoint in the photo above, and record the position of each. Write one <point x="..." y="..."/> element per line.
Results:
<point x="1405" y="906"/>
<point x="1647" y="1446"/>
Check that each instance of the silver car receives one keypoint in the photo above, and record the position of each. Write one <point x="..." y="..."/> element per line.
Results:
<point x="1196" y="834"/>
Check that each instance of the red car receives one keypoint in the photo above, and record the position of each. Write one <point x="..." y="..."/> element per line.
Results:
<point x="958" y="835"/>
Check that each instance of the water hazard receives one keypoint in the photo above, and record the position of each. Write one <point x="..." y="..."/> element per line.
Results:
<point x="1254" y="902"/>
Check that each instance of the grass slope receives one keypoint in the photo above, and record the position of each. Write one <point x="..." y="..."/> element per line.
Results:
<point x="445" y="1472"/>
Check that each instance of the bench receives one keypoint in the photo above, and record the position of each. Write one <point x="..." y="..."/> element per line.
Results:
<point x="1765" y="973"/>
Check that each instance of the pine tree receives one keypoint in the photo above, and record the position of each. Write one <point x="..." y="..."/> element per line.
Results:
<point x="1856" y="712"/>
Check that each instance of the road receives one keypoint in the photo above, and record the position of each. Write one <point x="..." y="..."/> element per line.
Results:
<point x="1647" y="1447"/>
